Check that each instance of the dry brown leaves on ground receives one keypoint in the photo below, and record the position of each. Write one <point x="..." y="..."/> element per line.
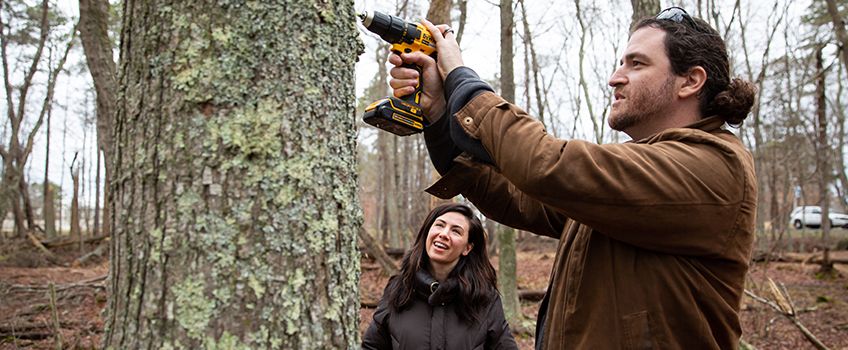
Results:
<point x="26" y="322"/>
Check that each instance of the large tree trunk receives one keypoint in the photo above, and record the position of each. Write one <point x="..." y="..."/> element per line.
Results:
<point x="94" y="34"/>
<point x="235" y="211"/>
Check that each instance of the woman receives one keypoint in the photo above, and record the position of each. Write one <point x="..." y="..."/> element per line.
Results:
<point x="445" y="296"/>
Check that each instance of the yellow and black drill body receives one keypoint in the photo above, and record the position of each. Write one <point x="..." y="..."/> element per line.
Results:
<point x="400" y="116"/>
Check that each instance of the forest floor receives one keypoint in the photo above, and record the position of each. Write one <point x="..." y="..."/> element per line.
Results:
<point x="26" y="320"/>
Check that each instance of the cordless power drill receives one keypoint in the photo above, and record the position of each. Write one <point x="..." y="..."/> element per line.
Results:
<point x="400" y="116"/>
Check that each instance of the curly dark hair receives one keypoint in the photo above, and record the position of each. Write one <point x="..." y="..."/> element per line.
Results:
<point x="474" y="272"/>
<point x="690" y="46"/>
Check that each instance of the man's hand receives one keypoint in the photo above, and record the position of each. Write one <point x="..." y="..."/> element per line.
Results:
<point x="432" y="76"/>
<point x="450" y="57"/>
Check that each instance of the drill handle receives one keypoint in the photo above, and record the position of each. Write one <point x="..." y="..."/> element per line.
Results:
<point x="415" y="97"/>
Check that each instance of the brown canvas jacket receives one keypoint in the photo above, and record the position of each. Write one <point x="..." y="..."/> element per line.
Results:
<point x="655" y="235"/>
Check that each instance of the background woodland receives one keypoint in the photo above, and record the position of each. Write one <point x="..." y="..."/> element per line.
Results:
<point x="70" y="142"/>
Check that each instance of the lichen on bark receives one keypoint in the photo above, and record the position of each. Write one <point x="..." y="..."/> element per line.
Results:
<point x="236" y="211"/>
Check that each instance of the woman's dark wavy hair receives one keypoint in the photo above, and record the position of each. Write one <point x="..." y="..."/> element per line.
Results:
<point x="688" y="47"/>
<point x="474" y="272"/>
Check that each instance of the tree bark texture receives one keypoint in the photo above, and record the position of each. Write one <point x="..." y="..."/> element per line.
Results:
<point x="644" y="8"/>
<point x="235" y="211"/>
<point x="439" y="11"/>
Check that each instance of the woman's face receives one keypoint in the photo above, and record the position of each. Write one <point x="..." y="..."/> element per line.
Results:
<point x="448" y="239"/>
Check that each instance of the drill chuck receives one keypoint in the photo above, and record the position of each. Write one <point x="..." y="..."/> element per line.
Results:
<point x="390" y="28"/>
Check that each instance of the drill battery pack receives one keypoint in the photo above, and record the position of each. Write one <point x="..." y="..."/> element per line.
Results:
<point x="396" y="116"/>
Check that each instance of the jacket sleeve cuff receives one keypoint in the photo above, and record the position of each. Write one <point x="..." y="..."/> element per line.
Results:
<point x="461" y="86"/>
<point x="459" y="178"/>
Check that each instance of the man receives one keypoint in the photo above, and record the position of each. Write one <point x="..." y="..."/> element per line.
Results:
<point x="655" y="234"/>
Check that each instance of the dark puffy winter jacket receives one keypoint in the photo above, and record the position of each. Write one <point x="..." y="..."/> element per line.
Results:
<point x="431" y="322"/>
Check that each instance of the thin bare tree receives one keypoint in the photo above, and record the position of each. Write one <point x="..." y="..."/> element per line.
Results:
<point x="27" y="29"/>
<point x="532" y="68"/>
<point x="94" y="34"/>
<point x="823" y="154"/>
<point x="508" y="261"/>
<point x="839" y="29"/>
<point x="758" y="75"/>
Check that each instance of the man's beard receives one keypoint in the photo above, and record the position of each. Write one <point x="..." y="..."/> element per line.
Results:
<point x="642" y="105"/>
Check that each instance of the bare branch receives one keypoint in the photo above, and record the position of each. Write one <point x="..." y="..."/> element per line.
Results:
<point x="807" y="334"/>
<point x="24" y="90"/>
<point x="48" y="100"/>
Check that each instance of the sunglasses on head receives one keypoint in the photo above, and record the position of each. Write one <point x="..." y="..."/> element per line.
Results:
<point x="678" y="15"/>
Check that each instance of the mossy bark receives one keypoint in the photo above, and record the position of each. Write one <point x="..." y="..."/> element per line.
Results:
<point x="235" y="212"/>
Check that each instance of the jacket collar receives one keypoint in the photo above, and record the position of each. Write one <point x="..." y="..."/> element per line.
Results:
<point x="708" y="124"/>
<point x="428" y="288"/>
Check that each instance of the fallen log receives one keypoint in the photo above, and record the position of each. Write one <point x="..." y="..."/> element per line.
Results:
<point x="85" y="283"/>
<point x="39" y="244"/>
<point x="369" y="304"/>
<point x="26" y="336"/>
<point x="379" y="253"/>
<point x="803" y="258"/>
<point x="98" y="252"/>
<point x="31" y="327"/>
<point x="395" y="253"/>
<point x="63" y="242"/>
<point x="531" y="295"/>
